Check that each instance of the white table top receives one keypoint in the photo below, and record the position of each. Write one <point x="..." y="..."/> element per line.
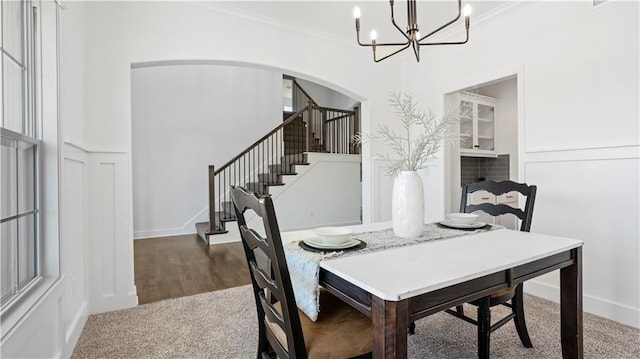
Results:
<point x="404" y="272"/>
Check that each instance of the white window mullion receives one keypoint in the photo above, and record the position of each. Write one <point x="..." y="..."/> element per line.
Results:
<point x="21" y="146"/>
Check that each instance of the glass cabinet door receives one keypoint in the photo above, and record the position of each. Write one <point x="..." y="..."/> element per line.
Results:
<point x="486" y="117"/>
<point x="477" y="124"/>
<point x="466" y="124"/>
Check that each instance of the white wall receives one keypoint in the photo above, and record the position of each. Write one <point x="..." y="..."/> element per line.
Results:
<point x="579" y="139"/>
<point x="175" y="31"/>
<point x="327" y="192"/>
<point x="185" y="118"/>
<point x="327" y="97"/>
<point x="580" y="130"/>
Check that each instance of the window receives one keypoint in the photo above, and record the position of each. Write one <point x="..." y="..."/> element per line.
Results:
<point x="287" y="94"/>
<point x="20" y="148"/>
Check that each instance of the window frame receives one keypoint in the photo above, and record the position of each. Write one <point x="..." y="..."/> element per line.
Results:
<point x="31" y="128"/>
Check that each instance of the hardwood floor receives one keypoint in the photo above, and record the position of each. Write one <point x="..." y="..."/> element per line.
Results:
<point x="171" y="267"/>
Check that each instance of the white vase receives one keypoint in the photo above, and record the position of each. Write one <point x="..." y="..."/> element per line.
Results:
<point x="407" y="205"/>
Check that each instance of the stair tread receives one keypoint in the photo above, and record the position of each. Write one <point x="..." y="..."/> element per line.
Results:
<point x="202" y="228"/>
<point x="272" y="183"/>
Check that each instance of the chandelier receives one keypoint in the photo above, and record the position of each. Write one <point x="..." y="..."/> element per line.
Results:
<point x="412" y="34"/>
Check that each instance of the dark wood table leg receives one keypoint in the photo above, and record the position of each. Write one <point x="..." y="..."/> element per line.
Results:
<point x="484" y="328"/>
<point x="571" y="308"/>
<point x="389" y="321"/>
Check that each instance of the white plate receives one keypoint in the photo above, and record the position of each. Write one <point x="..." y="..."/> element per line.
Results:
<point x="463" y="225"/>
<point x="313" y="242"/>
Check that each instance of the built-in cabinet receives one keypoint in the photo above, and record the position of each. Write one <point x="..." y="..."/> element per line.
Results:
<point x="510" y="199"/>
<point x="477" y="125"/>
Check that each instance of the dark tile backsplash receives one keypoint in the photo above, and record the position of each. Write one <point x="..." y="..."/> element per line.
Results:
<point x="474" y="169"/>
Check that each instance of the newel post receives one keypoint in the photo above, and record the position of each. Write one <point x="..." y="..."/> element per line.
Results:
<point x="310" y="122"/>
<point x="356" y="129"/>
<point x="323" y="125"/>
<point x="212" y="198"/>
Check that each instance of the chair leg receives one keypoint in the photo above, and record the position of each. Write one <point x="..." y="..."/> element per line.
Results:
<point x="263" y="344"/>
<point x="484" y="328"/>
<point x="460" y="309"/>
<point x="518" y="310"/>
<point x="412" y="328"/>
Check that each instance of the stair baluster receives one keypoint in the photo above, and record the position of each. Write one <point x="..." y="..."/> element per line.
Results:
<point x="311" y="129"/>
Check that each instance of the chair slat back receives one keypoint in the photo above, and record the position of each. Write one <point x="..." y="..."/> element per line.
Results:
<point x="499" y="188"/>
<point x="271" y="282"/>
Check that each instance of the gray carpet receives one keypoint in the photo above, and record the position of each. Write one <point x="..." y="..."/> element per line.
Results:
<point x="222" y="324"/>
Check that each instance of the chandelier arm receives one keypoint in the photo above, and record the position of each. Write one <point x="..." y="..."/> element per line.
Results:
<point x="358" y="38"/>
<point x="447" y="24"/>
<point x="412" y="31"/>
<point x="449" y="43"/>
<point x="386" y="44"/>
<point x="376" y="44"/>
<point x="393" y="21"/>
<point x="389" y="55"/>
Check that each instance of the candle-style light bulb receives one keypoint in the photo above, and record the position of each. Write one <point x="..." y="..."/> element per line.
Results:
<point x="356" y="12"/>
<point x="373" y="35"/>
<point x="467" y="14"/>
<point x="417" y="35"/>
<point x="467" y="10"/>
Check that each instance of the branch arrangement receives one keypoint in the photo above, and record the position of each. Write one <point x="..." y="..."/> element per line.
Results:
<point x="413" y="150"/>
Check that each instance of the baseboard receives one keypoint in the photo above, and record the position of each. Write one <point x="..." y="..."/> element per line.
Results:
<point x="110" y="303"/>
<point x="74" y="331"/>
<point x="163" y="232"/>
<point x="599" y="306"/>
<point x="615" y="311"/>
<point x="229" y="237"/>
<point x="542" y="290"/>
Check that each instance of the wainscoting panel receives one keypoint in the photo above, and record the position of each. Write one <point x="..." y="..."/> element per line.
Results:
<point x="73" y="247"/>
<point x="595" y="200"/>
<point x="111" y="245"/>
<point x="107" y="228"/>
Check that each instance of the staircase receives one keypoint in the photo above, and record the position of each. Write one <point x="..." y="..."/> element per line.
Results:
<point x="311" y="128"/>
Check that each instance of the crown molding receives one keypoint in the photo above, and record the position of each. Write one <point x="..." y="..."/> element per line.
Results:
<point x="500" y="10"/>
<point x="497" y="11"/>
<point x="270" y="21"/>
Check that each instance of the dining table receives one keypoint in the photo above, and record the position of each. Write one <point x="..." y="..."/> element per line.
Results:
<point x="402" y="284"/>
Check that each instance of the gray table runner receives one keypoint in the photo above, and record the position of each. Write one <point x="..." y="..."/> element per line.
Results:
<point x="304" y="266"/>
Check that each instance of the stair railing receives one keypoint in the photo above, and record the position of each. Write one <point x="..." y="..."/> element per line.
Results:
<point x="334" y="128"/>
<point x="261" y="158"/>
<point x="311" y="128"/>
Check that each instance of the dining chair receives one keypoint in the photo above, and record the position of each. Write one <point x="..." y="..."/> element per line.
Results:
<point x="283" y="331"/>
<point x="510" y="297"/>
